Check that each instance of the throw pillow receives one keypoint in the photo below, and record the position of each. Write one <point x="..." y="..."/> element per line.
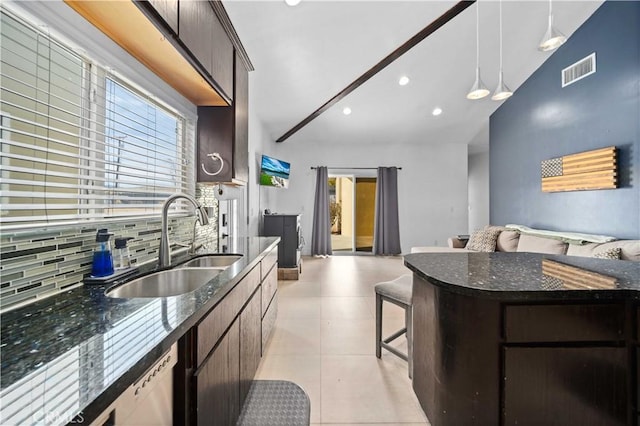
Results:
<point x="584" y="250"/>
<point x="507" y="241"/>
<point x="630" y="249"/>
<point x="612" y="253"/>
<point x="533" y="244"/>
<point x="484" y="239"/>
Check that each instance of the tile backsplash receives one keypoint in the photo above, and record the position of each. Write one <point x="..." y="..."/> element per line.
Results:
<point x="40" y="262"/>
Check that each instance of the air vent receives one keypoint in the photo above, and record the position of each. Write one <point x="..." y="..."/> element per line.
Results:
<point x="579" y="70"/>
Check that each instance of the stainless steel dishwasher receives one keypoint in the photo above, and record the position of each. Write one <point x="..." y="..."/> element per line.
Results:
<point x="148" y="401"/>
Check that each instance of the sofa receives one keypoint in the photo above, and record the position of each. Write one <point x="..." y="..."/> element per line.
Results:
<point x="518" y="238"/>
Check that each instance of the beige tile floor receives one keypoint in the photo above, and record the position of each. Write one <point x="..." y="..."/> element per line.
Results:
<point x="324" y="340"/>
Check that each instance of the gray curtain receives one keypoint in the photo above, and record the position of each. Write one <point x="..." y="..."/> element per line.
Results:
<point x="386" y="231"/>
<point x="321" y="233"/>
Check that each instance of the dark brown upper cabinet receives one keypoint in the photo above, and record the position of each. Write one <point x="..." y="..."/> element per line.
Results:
<point x="224" y="132"/>
<point x="196" y="30"/>
<point x="222" y="58"/>
<point x="168" y="11"/>
<point x="203" y="34"/>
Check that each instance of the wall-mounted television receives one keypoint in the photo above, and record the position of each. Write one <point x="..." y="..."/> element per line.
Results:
<point x="274" y="172"/>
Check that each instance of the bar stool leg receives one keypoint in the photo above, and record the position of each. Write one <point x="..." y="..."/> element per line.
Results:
<point x="378" y="326"/>
<point x="409" y="324"/>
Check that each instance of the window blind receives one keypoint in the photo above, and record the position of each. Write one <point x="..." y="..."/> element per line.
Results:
<point x="78" y="142"/>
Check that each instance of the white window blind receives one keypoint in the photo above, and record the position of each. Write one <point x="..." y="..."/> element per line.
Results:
<point x="78" y="143"/>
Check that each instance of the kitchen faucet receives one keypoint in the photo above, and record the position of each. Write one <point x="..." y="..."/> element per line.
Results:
<point x="164" y="254"/>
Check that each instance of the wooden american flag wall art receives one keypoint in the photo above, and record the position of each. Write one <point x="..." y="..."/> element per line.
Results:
<point x="583" y="171"/>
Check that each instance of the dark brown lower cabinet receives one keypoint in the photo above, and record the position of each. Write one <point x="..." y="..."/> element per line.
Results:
<point x="250" y="343"/>
<point x="480" y="360"/>
<point x="565" y="386"/>
<point x="217" y="382"/>
<point x="219" y="356"/>
<point x="638" y="381"/>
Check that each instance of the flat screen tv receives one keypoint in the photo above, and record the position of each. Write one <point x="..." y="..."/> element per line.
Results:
<point x="274" y="172"/>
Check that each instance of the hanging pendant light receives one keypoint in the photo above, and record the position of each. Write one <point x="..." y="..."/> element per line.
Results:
<point x="502" y="92"/>
<point x="479" y="89"/>
<point x="552" y="37"/>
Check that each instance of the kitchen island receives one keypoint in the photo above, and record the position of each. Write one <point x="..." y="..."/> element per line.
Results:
<point x="68" y="357"/>
<point x="522" y="338"/>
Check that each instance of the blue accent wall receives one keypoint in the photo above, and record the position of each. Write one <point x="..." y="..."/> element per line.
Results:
<point x="542" y="120"/>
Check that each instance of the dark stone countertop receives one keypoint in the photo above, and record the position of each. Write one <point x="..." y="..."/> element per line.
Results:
<point x="72" y="354"/>
<point x="528" y="276"/>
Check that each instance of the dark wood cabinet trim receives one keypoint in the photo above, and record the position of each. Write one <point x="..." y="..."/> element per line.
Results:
<point x="147" y="8"/>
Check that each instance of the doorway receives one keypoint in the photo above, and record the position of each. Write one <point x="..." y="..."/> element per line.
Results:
<point x="352" y="212"/>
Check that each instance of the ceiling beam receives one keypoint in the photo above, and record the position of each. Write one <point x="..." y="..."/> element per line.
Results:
<point x="404" y="48"/>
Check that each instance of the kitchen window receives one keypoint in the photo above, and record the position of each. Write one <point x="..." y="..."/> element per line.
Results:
<point x="80" y="143"/>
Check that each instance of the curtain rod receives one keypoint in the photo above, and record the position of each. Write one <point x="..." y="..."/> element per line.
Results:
<point x="353" y="168"/>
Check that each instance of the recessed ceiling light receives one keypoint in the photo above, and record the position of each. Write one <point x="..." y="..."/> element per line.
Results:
<point x="404" y="80"/>
<point x="292" y="2"/>
<point x="346" y="111"/>
<point x="436" y="111"/>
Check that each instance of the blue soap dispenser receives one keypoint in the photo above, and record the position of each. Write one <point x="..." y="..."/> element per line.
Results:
<point x="102" y="258"/>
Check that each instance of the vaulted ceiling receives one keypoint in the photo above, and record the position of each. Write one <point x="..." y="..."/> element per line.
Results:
<point x="304" y="55"/>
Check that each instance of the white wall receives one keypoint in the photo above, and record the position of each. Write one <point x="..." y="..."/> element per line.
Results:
<point x="259" y="141"/>
<point x="258" y="195"/>
<point x="251" y="197"/>
<point x="432" y="185"/>
<point x="478" y="190"/>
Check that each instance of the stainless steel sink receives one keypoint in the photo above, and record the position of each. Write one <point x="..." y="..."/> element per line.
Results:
<point x="212" y="261"/>
<point x="166" y="283"/>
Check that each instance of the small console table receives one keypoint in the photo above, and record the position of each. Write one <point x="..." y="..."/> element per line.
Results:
<point x="527" y="339"/>
<point x="287" y="227"/>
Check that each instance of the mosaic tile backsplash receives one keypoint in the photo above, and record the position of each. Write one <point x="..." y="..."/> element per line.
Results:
<point x="39" y="263"/>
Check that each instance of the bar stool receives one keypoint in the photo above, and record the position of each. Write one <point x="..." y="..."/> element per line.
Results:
<point x="400" y="293"/>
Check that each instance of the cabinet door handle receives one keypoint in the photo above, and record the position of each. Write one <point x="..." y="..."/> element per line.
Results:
<point x="213" y="156"/>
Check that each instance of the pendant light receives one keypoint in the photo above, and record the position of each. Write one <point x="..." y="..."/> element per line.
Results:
<point x="479" y="89"/>
<point x="502" y="91"/>
<point x="552" y="37"/>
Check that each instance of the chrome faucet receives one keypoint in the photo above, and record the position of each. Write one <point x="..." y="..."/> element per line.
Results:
<point x="164" y="254"/>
